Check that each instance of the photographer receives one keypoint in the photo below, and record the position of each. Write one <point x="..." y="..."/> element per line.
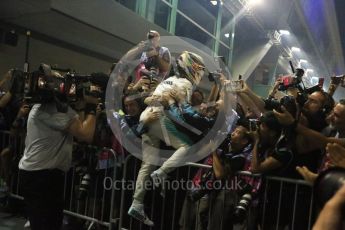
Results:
<point x="315" y="106"/>
<point x="47" y="155"/>
<point x="203" y="200"/>
<point x="154" y="62"/>
<point x="272" y="155"/>
<point x="275" y="159"/>
<point x="223" y="202"/>
<point x="335" y="129"/>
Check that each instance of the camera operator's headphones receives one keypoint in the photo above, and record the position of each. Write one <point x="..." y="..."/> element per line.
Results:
<point x="328" y="103"/>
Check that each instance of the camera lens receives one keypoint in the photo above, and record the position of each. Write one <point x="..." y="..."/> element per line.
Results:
<point x="328" y="183"/>
<point x="242" y="208"/>
<point x="84" y="186"/>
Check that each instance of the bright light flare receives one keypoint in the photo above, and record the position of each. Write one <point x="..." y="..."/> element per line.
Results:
<point x="295" y="49"/>
<point x="284" y="32"/>
<point x="254" y="2"/>
<point x="214" y="3"/>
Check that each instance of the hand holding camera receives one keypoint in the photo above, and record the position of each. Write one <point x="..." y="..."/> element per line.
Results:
<point x="91" y="98"/>
<point x="284" y="117"/>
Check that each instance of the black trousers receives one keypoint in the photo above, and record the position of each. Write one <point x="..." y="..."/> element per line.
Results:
<point x="43" y="192"/>
<point x="222" y="204"/>
<point x="194" y="215"/>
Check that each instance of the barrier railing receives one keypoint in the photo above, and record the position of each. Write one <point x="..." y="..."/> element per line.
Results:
<point x="86" y="196"/>
<point x="97" y="205"/>
<point x="280" y="202"/>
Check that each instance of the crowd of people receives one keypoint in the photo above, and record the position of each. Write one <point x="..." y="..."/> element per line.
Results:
<point x="296" y="136"/>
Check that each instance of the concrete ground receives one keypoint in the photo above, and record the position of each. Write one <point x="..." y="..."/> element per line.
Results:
<point x="11" y="222"/>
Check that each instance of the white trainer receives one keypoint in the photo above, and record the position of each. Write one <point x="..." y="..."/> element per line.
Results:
<point x="137" y="211"/>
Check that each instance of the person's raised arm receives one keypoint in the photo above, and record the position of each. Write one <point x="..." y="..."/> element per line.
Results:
<point x="218" y="168"/>
<point x="317" y="140"/>
<point x="258" y="166"/>
<point x="258" y="101"/>
<point x="4" y="100"/>
<point x="164" y="61"/>
<point x="246" y="102"/>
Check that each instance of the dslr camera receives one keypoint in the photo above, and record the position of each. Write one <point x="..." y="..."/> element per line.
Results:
<point x="198" y="192"/>
<point x="288" y="102"/>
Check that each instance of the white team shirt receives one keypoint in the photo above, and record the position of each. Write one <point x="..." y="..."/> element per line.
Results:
<point x="181" y="85"/>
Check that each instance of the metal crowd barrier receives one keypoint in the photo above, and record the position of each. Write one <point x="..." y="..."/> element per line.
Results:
<point x="282" y="203"/>
<point x="97" y="207"/>
<point x="96" y="204"/>
<point x="11" y="148"/>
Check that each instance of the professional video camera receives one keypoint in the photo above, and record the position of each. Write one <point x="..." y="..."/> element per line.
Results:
<point x="289" y="102"/>
<point x="45" y="85"/>
<point x="292" y="81"/>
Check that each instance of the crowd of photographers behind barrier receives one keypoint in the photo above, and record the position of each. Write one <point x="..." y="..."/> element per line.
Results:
<point x="297" y="136"/>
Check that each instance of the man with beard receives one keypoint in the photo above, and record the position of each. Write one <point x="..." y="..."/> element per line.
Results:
<point x="313" y="115"/>
<point x="313" y="140"/>
<point x="313" y="112"/>
<point x="316" y="109"/>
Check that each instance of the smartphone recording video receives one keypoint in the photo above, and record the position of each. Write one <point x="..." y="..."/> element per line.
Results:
<point x="234" y="86"/>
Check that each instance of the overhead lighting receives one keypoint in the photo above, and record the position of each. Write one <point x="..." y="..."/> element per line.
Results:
<point x="214" y="3"/>
<point x="314" y="80"/>
<point x="296" y="49"/>
<point x="254" y="2"/>
<point x="310" y="70"/>
<point x="284" y="32"/>
<point x="303" y="61"/>
<point x="227" y="35"/>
